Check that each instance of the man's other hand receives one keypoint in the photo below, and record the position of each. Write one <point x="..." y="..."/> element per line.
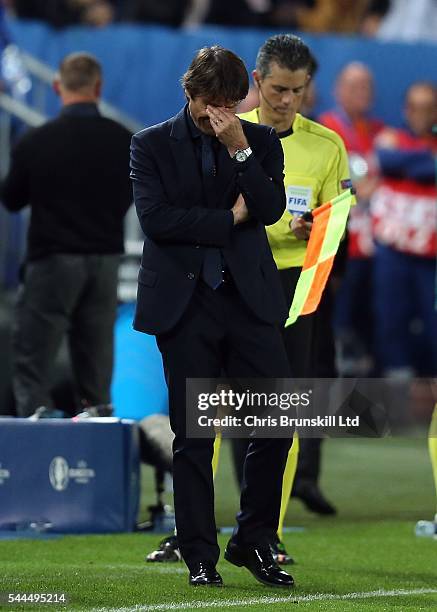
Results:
<point x="300" y="228"/>
<point x="240" y="211"/>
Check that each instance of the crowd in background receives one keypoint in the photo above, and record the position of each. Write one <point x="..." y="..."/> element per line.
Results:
<point x="378" y="330"/>
<point x="383" y="285"/>
<point x="388" y="19"/>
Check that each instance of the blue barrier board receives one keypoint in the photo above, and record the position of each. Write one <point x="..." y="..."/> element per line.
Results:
<point x="61" y="476"/>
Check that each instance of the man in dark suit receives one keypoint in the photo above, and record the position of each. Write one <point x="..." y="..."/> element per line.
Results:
<point x="205" y="185"/>
<point x="73" y="172"/>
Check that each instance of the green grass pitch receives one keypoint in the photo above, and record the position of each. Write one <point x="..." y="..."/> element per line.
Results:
<point x="365" y="559"/>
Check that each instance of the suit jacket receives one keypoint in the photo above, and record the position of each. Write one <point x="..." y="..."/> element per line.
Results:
<point x="179" y="226"/>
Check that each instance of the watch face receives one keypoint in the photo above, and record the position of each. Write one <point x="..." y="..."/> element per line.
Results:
<point x="240" y="156"/>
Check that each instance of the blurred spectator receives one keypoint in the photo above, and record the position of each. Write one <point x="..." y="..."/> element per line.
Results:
<point x="73" y="172"/>
<point x="57" y="13"/>
<point x="61" y="13"/>
<point x="310" y="15"/>
<point x="408" y="20"/>
<point x="354" y="95"/>
<point x="281" y="13"/>
<point x="405" y="220"/>
<point x="238" y="12"/>
<point x="252" y="13"/>
<point x="168" y="12"/>
<point x="286" y="13"/>
<point x="371" y="22"/>
<point x="98" y="13"/>
<point x="333" y="16"/>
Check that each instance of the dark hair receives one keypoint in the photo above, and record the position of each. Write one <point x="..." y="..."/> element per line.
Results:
<point x="79" y="71"/>
<point x="288" y="51"/>
<point x="217" y="73"/>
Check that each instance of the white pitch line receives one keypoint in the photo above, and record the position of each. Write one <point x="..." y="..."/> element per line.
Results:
<point x="146" y="568"/>
<point x="143" y="568"/>
<point x="254" y="601"/>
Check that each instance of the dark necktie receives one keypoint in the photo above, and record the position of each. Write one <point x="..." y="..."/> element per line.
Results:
<point x="212" y="264"/>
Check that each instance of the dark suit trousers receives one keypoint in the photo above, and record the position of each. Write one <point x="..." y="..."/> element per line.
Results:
<point x="218" y="332"/>
<point x="299" y="345"/>
<point x="65" y="295"/>
<point x="309" y="343"/>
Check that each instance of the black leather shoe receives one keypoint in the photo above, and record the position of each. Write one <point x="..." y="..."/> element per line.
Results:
<point x="312" y="497"/>
<point x="205" y="574"/>
<point x="259" y="561"/>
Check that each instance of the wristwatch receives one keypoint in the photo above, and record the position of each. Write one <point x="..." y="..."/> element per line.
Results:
<point x="242" y="154"/>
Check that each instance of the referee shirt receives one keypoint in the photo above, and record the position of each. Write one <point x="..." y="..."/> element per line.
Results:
<point x="316" y="170"/>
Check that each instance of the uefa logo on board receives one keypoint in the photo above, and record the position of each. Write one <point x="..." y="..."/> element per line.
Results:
<point x="59" y="473"/>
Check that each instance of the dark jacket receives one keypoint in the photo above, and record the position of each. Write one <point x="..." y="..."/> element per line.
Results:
<point x="179" y="227"/>
<point x="73" y="171"/>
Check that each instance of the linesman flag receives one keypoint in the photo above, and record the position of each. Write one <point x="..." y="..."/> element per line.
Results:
<point x="329" y="224"/>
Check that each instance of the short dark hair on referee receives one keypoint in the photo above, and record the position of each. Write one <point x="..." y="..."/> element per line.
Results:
<point x="79" y="71"/>
<point x="217" y="73"/>
<point x="288" y="51"/>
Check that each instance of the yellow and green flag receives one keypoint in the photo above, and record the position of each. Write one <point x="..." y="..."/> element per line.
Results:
<point x="329" y="224"/>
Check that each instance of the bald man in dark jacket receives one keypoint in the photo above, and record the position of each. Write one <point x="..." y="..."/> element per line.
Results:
<point x="73" y="172"/>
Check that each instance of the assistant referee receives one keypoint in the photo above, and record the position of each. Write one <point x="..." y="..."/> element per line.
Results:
<point x="316" y="170"/>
